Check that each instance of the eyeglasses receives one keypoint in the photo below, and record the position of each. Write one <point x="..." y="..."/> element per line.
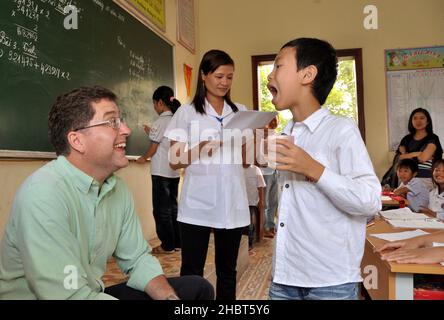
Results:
<point x="113" y="123"/>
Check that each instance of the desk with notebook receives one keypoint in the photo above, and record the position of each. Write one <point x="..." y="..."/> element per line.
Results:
<point x="394" y="280"/>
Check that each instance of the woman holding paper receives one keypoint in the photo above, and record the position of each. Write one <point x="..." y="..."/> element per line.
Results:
<point x="213" y="196"/>
<point x="424" y="249"/>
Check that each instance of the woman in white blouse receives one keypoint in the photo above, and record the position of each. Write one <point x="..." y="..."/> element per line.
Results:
<point x="213" y="196"/>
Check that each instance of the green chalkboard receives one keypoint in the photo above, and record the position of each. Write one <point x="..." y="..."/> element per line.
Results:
<point x="40" y="59"/>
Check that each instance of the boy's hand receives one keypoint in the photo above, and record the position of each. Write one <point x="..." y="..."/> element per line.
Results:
<point x="290" y="157"/>
<point x="427" y="211"/>
<point x="401" y="191"/>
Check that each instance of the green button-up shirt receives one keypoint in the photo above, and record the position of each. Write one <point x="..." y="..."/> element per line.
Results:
<point x="63" y="228"/>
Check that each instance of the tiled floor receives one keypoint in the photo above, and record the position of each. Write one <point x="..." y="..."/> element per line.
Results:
<point x="252" y="285"/>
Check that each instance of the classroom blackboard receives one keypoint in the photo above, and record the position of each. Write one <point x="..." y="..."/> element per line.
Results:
<point x="40" y="59"/>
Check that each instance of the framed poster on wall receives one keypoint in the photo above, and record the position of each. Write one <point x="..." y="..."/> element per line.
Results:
<point x="415" y="79"/>
<point x="152" y="10"/>
<point x="186" y="25"/>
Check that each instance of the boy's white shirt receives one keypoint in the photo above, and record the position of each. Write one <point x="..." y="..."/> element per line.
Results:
<point x="418" y="195"/>
<point x="253" y="180"/>
<point x="322" y="226"/>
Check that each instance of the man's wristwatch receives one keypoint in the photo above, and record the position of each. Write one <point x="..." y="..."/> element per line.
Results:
<point x="172" y="297"/>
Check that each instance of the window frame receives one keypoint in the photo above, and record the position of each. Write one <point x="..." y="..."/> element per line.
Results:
<point x="355" y="53"/>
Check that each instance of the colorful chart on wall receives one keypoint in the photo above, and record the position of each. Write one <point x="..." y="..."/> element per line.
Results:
<point x="415" y="79"/>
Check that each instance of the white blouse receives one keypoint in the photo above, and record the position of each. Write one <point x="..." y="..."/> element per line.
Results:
<point x="159" y="162"/>
<point x="436" y="203"/>
<point x="213" y="192"/>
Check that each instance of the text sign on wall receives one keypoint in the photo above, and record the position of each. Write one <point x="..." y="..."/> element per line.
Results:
<point x="154" y="10"/>
<point x="416" y="58"/>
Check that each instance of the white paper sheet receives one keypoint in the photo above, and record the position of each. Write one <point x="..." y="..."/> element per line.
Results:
<point x="402" y="214"/>
<point x="417" y="224"/>
<point x="397" y="236"/>
<point x="250" y="120"/>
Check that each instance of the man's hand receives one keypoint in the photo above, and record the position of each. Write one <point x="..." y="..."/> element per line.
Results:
<point x="159" y="289"/>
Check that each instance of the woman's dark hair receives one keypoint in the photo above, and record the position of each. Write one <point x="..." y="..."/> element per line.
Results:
<point x="322" y="55"/>
<point x="435" y="164"/>
<point x="73" y="110"/>
<point x="429" y="127"/>
<point x="166" y="95"/>
<point x="211" y="60"/>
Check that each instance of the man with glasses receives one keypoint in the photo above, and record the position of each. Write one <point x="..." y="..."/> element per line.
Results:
<point x="71" y="215"/>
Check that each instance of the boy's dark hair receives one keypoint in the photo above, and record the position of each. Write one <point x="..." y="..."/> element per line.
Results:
<point x="211" y="60"/>
<point x="429" y="127"/>
<point x="439" y="162"/>
<point x="73" y="110"/>
<point x="166" y="94"/>
<point x="322" y="55"/>
<point x="408" y="163"/>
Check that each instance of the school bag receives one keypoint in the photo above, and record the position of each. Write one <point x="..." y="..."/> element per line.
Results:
<point x="390" y="177"/>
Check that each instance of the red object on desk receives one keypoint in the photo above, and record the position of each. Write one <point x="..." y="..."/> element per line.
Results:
<point x="400" y="200"/>
<point x="427" y="294"/>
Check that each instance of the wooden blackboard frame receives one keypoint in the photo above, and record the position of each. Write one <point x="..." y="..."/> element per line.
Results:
<point x="19" y="154"/>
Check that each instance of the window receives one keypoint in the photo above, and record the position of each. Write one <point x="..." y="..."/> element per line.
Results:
<point x="345" y="99"/>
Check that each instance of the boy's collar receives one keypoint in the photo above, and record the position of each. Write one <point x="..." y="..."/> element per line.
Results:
<point x="312" y="122"/>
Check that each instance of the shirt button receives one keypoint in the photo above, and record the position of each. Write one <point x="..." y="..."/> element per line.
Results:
<point x="287" y="186"/>
<point x="282" y="224"/>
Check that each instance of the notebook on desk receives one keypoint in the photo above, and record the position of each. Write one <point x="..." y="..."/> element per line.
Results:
<point x="417" y="224"/>
<point x="402" y="214"/>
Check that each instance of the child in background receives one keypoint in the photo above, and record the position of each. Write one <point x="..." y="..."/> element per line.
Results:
<point x="411" y="188"/>
<point x="255" y="185"/>
<point x="436" y="196"/>
<point x="271" y="189"/>
<point x="165" y="181"/>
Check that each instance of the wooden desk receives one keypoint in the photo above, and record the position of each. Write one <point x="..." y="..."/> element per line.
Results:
<point x="394" y="280"/>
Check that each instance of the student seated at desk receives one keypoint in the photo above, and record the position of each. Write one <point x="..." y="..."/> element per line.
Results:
<point x="415" y="250"/>
<point x="411" y="188"/>
<point x="436" y="196"/>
